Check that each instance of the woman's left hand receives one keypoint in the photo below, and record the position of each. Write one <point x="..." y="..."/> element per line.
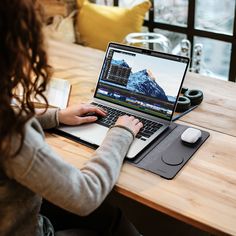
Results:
<point x="79" y="114"/>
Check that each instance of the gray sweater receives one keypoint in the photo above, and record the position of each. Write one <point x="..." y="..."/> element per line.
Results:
<point x="40" y="172"/>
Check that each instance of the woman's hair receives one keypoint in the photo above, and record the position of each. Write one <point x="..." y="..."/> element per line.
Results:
<point x="23" y="67"/>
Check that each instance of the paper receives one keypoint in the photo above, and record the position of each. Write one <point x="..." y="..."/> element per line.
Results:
<point x="57" y="93"/>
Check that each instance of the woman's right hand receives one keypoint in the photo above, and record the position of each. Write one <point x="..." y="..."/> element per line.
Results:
<point x="130" y="122"/>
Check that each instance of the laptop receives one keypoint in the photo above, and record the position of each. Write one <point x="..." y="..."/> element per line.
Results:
<point x="139" y="82"/>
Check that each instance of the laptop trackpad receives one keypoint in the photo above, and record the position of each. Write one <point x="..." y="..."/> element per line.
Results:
<point x="96" y="133"/>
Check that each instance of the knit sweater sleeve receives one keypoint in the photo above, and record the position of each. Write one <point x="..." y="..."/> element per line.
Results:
<point x="49" y="119"/>
<point x="80" y="191"/>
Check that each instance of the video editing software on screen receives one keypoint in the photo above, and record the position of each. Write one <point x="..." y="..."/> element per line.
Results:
<point x="140" y="81"/>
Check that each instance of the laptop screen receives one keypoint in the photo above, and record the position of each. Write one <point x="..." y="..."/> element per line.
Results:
<point x="142" y="79"/>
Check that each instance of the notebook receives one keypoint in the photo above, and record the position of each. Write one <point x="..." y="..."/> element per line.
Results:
<point x="139" y="82"/>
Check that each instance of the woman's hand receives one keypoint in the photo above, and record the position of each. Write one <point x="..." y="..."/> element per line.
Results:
<point x="79" y="114"/>
<point x="130" y="122"/>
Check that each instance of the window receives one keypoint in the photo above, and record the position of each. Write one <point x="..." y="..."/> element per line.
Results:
<point x="171" y="12"/>
<point x="215" y="57"/>
<point x="215" y="15"/>
<point x="210" y="23"/>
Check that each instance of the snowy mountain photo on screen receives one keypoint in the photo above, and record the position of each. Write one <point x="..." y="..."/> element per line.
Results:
<point x="143" y="82"/>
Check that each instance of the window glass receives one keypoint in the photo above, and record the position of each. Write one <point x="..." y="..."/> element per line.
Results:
<point x="215" y="57"/>
<point x="215" y="15"/>
<point x="145" y="29"/>
<point x="175" y="39"/>
<point x="174" y="12"/>
<point x="104" y="2"/>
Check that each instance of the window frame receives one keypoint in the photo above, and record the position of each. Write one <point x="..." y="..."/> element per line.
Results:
<point x="191" y="32"/>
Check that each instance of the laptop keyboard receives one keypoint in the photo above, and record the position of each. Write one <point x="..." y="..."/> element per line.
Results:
<point x="149" y="127"/>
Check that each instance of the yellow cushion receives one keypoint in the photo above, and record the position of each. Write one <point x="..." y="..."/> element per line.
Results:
<point x="97" y="25"/>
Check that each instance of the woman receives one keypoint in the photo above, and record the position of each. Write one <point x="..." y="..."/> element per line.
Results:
<point x="29" y="169"/>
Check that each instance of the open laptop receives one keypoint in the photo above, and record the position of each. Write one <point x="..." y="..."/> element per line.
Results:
<point x="138" y="82"/>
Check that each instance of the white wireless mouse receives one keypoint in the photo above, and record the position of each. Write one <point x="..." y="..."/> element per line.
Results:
<point x="191" y="135"/>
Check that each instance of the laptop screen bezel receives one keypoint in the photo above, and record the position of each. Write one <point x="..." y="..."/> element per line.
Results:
<point x="149" y="52"/>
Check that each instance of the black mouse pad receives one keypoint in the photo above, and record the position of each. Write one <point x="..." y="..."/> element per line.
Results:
<point x="168" y="154"/>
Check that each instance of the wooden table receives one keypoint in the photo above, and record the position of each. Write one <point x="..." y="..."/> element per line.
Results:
<point x="203" y="193"/>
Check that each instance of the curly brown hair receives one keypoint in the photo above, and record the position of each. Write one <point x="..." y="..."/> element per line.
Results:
<point x="23" y="64"/>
